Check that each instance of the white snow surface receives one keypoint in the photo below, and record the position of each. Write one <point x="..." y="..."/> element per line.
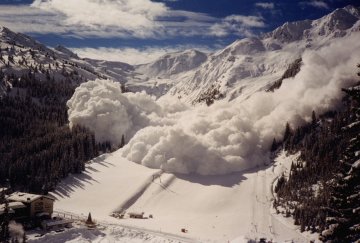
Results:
<point x="211" y="208"/>
<point x="225" y="137"/>
<point x="248" y="65"/>
<point x="173" y="63"/>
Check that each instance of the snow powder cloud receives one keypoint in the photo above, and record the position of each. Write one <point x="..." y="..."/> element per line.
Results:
<point x="102" y="107"/>
<point x="222" y="138"/>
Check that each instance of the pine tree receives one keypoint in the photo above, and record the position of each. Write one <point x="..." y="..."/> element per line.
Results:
<point x="122" y="144"/>
<point x="273" y="145"/>
<point x="313" y="119"/>
<point x="89" y="220"/>
<point x="287" y="132"/>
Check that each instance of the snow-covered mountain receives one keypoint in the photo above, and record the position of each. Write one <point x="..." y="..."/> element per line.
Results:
<point x="198" y="153"/>
<point x="173" y="63"/>
<point x="20" y="54"/>
<point x="247" y="65"/>
<point x="244" y="67"/>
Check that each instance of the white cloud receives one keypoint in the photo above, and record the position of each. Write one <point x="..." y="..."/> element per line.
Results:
<point x="27" y="19"/>
<point x="134" y="55"/>
<point x="316" y="4"/>
<point x="237" y="24"/>
<point x="265" y="5"/>
<point x="114" y="18"/>
<point x="224" y="137"/>
<point x="135" y="16"/>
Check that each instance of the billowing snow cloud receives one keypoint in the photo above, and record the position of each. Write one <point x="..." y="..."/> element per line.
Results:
<point x="102" y="107"/>
<point x="222" y="138"/>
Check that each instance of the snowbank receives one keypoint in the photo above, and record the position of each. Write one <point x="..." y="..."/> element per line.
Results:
<point x="225" y="137"/>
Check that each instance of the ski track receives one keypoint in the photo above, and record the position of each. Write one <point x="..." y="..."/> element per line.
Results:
<point x="264" y="224"/>
<point x="133" y="199"/>
<point x="250" y="215"/>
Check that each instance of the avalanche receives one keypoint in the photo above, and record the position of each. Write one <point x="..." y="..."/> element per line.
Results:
<point x="225" y="137"/>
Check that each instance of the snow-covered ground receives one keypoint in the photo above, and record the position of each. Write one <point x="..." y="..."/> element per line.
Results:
<point x="216" y="208"/>
<point x="211" y="208"/>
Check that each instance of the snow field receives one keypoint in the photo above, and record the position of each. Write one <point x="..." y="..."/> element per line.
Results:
<point x="211" y="208"/>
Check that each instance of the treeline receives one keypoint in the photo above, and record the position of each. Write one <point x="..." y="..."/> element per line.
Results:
<point x="322" y="192"/>
<point x="37" y="147"/>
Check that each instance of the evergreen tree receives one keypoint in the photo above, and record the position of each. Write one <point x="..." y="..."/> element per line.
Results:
<point x="89" y="219"/>
<point x="273" y="146"/>
<point x="122" y="144"/>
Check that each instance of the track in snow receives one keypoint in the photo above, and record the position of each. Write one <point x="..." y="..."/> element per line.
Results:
<point x="212" y="208"/>
<point x="264" y="222"/>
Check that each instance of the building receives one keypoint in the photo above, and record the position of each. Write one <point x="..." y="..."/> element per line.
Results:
<point x="136" y="215"/>
<point x="26" y="205"/>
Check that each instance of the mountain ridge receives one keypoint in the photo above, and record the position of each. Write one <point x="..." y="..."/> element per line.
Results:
<point x="234" y="70"/>
<point x="242" y="68"/>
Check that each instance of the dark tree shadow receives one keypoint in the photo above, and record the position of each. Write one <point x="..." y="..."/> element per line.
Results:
<point x="78" y="181"/>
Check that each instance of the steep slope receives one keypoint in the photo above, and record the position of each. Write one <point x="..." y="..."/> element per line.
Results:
<point x="36" y="83"/>
<point x="246" y="66"/>
<point x="173" y="63"/>
<point x="158" y="77"/>
<point x="20" y="54"/>
<point x="213" y="208"/>
<point x="321" y="191"/>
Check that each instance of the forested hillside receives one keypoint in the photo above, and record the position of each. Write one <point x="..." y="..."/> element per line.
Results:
<point x="322" y="191"/>
<point x="37" y="147"/>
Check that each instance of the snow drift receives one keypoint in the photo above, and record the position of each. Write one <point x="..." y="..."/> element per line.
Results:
<point x="225" y="137"/>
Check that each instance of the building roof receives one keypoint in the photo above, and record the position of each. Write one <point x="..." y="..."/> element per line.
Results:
<point x="136" y="213"/>
<point x="26" y="197"/>
<point x="16" y="205"/>
<point x="2" y="209"/>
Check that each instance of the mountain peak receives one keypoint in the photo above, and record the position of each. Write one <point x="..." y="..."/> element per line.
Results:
<point x="339" y="20"/>
<point x="353" y="10"/>
<point x="174" y="63"/>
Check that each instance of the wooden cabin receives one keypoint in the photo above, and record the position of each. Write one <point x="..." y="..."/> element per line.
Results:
<point x="33" y="205"/>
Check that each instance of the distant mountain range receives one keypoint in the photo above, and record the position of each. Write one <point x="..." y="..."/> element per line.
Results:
<point x="190" y="75"/>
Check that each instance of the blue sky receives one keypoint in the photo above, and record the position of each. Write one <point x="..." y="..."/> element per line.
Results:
<point x="143" y="29"/>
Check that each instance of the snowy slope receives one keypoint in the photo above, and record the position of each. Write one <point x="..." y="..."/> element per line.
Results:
<point x="20" y="54"/>
<point x="247" y="65"/>
<point x="173" y="63"/>
<point x="241" y="69"/>
<point x="211" y="208"/>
